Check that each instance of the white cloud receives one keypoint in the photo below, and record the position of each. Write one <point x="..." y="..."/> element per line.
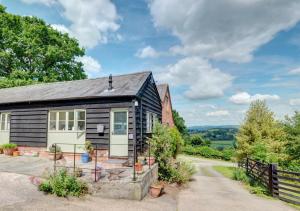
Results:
<point x="91" y="22"/>
<point x="147" y="52"/>
<point x="226" y="30"/>
<point x="245" y="98"/>
<point x="202" y="80"/>
<point x="90" y="65"/>
<point x="218" y="113"/>
<point x="45" y="2"/>
<point x="61" y="28"/>
<point x="295" y="71"/>
<point x="295" y="102"/>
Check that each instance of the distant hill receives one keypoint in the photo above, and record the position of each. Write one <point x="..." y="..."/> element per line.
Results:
<point x="207" y="127"/>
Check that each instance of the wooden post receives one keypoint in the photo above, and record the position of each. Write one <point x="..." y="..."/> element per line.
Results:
<point x="74" y="159"/>
<point x="273" y="181"/>
<point x="55" y="159"/>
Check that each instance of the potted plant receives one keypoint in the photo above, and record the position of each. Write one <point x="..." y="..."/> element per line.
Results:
<point x="16" y="153"/>
<point x="8" y="149"/>
<point x="1" y="149"/>
<point x="52" y="151"/>
<point x="89" y="150"/>
<point x="156" y="189"/>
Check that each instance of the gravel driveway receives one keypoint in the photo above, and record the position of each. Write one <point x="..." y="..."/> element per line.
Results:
<point x="209" y="191"/>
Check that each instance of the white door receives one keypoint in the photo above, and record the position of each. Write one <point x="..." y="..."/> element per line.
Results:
<point x="119" y="132"/>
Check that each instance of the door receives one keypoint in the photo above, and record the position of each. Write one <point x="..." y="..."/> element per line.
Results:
<point x="119" y="132"/>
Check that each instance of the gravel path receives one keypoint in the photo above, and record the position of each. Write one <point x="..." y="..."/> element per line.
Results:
<point x="209" y="191"/>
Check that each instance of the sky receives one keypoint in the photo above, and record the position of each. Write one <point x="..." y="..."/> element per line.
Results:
<point x="217" y="56"/>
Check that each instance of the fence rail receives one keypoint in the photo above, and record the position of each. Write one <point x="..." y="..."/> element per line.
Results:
<point x="281" y="184"/>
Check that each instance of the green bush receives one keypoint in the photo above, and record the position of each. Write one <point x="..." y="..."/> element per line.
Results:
<point x="240" y="175"/>
<point x="9" y="146"/>
<point x="165" y="144"/>
<point x="228" y="153"/>
<point x="196" y="140"/>
<point x="62" y="184"/>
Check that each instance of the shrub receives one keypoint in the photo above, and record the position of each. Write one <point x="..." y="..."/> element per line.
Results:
<point x="52" y="148"/>
<point x="228" y="153"/>
<point x="240" y="175"/>
<point x="9" y="146"/>
<point x="185" y="171"/>
<point x="62" y="184"/>
<point x="196" y="140"/>
<point x="165" y="144"/>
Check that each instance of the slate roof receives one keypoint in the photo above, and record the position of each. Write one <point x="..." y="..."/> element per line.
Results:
<point x="162" y="90"/>
<point x="123" y="85"/>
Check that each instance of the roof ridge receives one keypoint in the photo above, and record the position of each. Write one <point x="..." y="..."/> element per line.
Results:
<point x="72" y="81"/>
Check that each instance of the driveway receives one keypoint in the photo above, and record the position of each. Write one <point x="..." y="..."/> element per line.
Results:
<point x="208" y="191"/>
<point x="31" y="166"/>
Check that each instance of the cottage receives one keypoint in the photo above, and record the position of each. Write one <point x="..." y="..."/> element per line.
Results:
<point x="165" y="97"/>
<point x="112" y="112"/>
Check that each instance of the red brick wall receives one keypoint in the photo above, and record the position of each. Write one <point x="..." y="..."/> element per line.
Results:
<point x="167" y="116"/>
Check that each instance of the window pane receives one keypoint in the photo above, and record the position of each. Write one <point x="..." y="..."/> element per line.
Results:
<point x="8" y="122"/>
<point x="62" y="125"/>
<point x="62" y="116"/>
<point x="71" y="125"/>
<point x="120" y="123"/>
<point x="3" y="121"/>
<point x="52" y="125"/>
<point x="81" y="125"/>
<point x="71" y="115"/>
<point x="52" y="115"/>
<point x="80" y="115"/>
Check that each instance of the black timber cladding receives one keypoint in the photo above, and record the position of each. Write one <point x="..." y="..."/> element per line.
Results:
<point x="149" y="100"/>
<point x="29" y="122"/>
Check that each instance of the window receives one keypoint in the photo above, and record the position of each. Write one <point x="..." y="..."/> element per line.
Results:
<point x="151" y="119"/>
<point x="4" y="121"/>
<point x="120" y="123"/>
<point x="73" y="120"/>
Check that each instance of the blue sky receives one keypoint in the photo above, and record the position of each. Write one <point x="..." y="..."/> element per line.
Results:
<point x="217" y="56"/>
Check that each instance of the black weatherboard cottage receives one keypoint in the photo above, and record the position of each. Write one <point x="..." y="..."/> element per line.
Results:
<point x="112" y="112"/>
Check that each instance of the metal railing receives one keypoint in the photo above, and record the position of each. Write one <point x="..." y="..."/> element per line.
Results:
<point x="131" y="159"/>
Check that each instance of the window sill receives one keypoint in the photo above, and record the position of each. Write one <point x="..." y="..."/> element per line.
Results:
<point x="66" y="131"/>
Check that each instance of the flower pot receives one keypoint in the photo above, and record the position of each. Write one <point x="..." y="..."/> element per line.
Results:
<point x="156" y="190"/>
<point x="52" y="155"/>
<point x="138" y="167"/>
<point x="150" y="160"/>
<point x="85" y="157"/>
<point x="1" y="151"/>
<point x="16" y="153"/>
<point x="9" y="152"/>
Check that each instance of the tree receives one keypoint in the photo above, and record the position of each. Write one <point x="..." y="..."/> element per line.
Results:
<point x="180" y="123"/>
<point x="261" y="136"/>
<point x="32" y="51"/>
<point x="292" y="129"/>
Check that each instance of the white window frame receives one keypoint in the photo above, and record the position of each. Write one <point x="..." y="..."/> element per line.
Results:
<point x="66" y="120"/>
<point x="150" y="120"/>
<point x="6" y="122"/>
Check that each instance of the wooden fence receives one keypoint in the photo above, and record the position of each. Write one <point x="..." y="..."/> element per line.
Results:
<point x="284" y="185"/>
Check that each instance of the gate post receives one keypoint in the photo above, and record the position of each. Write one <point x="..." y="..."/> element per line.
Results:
<point x="273" y="180"/>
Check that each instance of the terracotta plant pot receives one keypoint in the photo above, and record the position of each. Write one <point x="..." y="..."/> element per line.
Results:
<point x="1" y="151"/>
<point x="138" y="167"/>
<point x="9" y="152"/>
<point x="16" y="153"/>
<point x="52" y="155"/>
<point x="156" y="190"/>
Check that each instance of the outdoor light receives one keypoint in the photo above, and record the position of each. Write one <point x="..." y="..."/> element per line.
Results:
<point x="136" y="103"/>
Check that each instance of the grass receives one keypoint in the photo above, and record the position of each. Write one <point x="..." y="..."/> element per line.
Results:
<point x="240" y="175"/>
<point x="222" y="143"/>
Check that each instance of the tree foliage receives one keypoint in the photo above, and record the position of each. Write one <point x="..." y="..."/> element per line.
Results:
<point x="261" y="136"/>
<point x="292" y="148"/>
<point x="32" y="51"/>
<point x="180" y="123"/>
